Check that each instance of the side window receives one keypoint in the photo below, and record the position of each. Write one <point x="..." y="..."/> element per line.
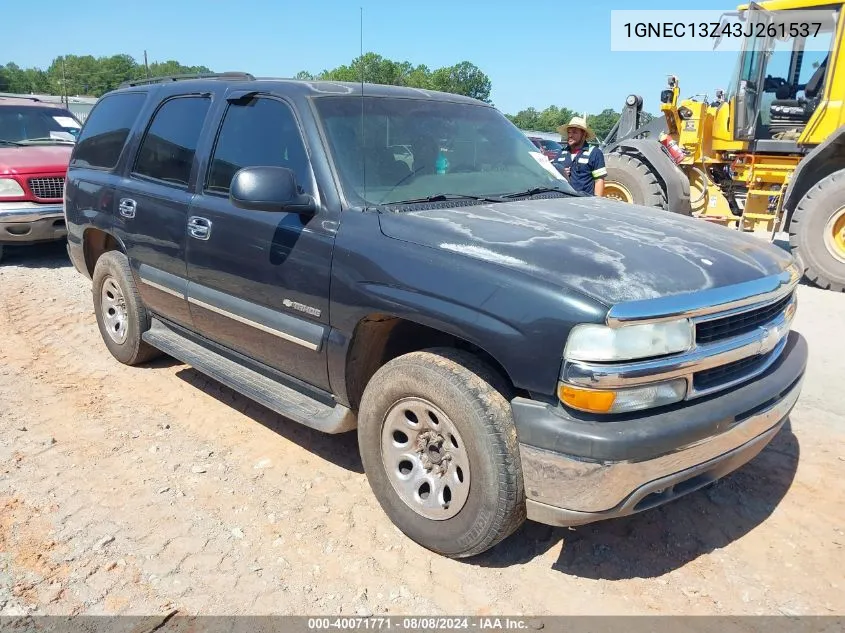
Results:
<point x="106" y="129"/>
<point x="167" y="151"/>
<point x="261" y="132"/>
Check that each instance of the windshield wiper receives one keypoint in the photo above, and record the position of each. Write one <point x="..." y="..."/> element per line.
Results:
<point x="44" y="139"/>
<point x="537" y="190"/>
<point x="14" y="143"/>
<point x="440" y="197"/>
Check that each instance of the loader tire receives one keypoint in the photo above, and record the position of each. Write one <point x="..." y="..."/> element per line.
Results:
<point x="631" y="180"/>
<point x="817" y="233"/>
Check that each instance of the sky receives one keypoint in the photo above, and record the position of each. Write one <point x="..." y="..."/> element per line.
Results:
<point x="536" y="53"/>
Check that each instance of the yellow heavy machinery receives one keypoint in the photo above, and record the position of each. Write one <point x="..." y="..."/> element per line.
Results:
<point x="766" y="155"/>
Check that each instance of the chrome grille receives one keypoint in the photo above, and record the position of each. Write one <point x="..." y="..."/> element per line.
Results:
<point x="738" y="324"/>
<point x="724" y="374"/>
<point x="47" y="188"/>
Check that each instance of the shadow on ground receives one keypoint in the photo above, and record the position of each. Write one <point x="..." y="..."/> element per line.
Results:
<point x="658" y="541"/>
<point x="49" y="255"/>
<point x="341" y="449"/>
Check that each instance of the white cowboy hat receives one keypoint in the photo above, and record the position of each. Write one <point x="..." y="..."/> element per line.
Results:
<point x="578" y="122"/>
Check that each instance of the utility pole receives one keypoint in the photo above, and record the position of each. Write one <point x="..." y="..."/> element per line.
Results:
<point x="146" y="65"/>
<point x="64" y="81"/>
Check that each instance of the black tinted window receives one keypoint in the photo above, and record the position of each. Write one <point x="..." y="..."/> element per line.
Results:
<point x="106" y="129"/>
<point x="170" y="143"/>
<point x="261" y="132"/>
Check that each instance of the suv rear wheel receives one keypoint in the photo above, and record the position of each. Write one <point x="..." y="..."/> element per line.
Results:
<point x="121" y="315"/>
<point x="439" y="447"/>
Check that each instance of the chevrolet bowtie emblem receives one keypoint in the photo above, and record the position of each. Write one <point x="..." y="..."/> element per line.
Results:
<point x="769" y="339"/>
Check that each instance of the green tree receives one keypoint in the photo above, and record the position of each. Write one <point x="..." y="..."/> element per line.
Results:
<point x="85" y="74"/>
<point x="375" y="68"/>
<point x="603" y="122"/>
<point x="463" y="78"/>
<point x="527" y="119"/>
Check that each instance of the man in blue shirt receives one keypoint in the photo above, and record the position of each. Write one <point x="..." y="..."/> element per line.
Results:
<point x="582" y="164"/>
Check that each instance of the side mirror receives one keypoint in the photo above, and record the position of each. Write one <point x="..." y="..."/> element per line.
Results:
<point x="269" y="189"/>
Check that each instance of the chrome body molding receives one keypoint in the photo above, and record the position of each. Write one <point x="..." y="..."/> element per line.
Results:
<point x="715" y="302"/>
<point x="251" y="323"/>
<point x="285" y="326"/>
<point x="163" y="288"/>
<point x="582" y="486"/>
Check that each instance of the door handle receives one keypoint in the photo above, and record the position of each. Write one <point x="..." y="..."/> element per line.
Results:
<point x="127" y="207"/>
<point x="199" y="228"/>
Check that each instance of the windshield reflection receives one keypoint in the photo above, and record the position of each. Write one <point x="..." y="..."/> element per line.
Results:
<point x="393" y="150"/>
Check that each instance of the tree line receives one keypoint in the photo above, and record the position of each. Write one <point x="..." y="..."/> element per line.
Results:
<point x="86" y="75"/>
<point x="464" y="78"/>
<point x="550" y="119"/>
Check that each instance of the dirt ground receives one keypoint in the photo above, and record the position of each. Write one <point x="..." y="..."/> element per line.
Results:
<point x="143" y="490"/>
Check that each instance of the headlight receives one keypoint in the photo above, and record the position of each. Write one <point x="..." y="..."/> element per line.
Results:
<point x="10" y="188"/>
<point x="600" y="343"/>
<point x="623" y="400"/>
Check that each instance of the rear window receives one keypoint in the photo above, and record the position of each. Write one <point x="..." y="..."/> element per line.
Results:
<point x="167" y="151"/>
<point x="106" y="129"/>
<point x="551" y="145"/>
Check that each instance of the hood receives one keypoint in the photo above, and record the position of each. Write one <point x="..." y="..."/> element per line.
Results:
<point x="34" y="159"/>
<point x="611" y="251"/>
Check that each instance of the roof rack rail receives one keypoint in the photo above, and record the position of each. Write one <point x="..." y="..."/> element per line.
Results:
<point x="160" y="80"/>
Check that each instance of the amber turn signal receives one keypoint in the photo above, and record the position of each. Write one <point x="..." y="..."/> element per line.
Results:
<point x="586" y="399"/>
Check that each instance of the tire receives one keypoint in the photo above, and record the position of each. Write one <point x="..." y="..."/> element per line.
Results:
<point x="120" y="327"/>
<point x="488" y="502"/>
<point x="642" y="185"/>
<point x="1" y="252"/>
<point x="821" y="207"/>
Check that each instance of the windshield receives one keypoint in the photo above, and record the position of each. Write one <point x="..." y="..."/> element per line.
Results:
<point x="392" y="150"/>
<point x="20" y="124"/>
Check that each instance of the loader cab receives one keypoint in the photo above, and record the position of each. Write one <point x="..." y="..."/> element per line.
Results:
<point x="781" y="73"/>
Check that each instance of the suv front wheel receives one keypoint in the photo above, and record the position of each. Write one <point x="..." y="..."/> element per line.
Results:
<point x="440" y="451"/>
<point x="121" y="315"/>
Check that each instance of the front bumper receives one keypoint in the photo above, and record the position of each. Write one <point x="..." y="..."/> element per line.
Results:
<point x="27" y="222"/>
<point x="578" y="471"/>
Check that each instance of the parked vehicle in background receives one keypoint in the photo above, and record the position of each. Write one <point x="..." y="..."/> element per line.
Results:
<point x="36" y="139"/>
<point x="77" y="105"/>
<point x="551" y="149"/>
<point x="505" y="347"/>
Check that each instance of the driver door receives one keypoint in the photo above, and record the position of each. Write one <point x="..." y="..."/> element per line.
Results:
<point x="259" y="280"/>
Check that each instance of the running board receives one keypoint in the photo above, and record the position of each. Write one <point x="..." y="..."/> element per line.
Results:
<point x="266" y="391"/>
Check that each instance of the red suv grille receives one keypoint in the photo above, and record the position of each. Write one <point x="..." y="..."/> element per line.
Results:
<point x="47" y="188"/>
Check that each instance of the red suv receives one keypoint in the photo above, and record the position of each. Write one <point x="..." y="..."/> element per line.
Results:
<point x="549" y="148"/>
<point x="36" y="139"/>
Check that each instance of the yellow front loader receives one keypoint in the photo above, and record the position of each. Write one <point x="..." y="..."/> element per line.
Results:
<point x="766" y="155"/>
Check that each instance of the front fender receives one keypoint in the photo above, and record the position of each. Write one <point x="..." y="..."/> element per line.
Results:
<point x="522" y="322"/>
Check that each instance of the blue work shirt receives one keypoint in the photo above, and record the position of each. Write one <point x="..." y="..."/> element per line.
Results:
<point x="586" y="166"/>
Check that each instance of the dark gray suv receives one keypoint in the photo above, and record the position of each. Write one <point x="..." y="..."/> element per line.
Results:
<point x="505" y="347"/>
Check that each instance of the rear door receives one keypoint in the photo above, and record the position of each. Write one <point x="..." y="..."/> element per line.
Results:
<point x="259" y="280"/>
<point x="152" y="203"/>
